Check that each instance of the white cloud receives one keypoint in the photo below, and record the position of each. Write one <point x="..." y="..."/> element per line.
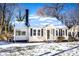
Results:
<point x="33" y="17"/>
<point x="47" y="18"/>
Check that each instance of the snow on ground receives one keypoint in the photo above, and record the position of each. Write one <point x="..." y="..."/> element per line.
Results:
<point x="36" y="49"/>
<point x="5" y="45"/>
<point x="74" y="52"/>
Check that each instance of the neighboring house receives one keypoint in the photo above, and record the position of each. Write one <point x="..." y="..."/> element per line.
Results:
<point x="48" y="32"/>
<point x="74" y="31"/>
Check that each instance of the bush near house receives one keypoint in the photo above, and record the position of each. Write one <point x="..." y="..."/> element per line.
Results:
<point x="3" y="37"/>
<point x="61" y="39"/>
<point x="6" y="37"/>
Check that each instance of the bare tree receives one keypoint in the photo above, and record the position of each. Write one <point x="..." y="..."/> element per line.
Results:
<point x="6" y="14"/>
<point x="52" y="10"/>
<point x="69" y="18"/>
<point x="20" y="15"/>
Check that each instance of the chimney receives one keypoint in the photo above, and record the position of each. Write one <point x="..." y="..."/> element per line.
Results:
<point x="27" y="16"/>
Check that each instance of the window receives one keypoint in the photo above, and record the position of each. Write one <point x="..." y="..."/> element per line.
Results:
<point x="53" y="32"/>
<point x="18" y="33"/>
<point x="56" y="33"/>
<point x="34" y="32"/>
<point x="23" y="33"/>
<point x="38" y="32"/>
<point x="48" y="34"/>
<point x="31" y="32"/>
<point x="63" y="32"/>
<point x="69" y="33"/>
<point x="66" y="32"/>
<point x="60" y="32"/>
<point x="41" y="32"/>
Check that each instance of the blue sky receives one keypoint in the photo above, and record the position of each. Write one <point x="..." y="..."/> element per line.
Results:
<point x="36" y="21"/>
<point x="33" y="7"/>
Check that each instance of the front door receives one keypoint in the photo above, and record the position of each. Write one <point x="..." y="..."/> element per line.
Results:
<point x="48" y="34"/>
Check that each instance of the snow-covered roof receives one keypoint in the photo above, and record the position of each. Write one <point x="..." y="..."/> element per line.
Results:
<point x="57" y="26"/>
<point x="41" y="22"/>
<point x="61" y="26"/>
<point x="19" y="24"/>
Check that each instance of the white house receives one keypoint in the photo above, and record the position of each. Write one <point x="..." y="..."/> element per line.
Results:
<point x="36" y="32"/>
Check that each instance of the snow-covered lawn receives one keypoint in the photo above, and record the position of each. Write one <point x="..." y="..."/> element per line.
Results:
<point x="36" y="49"/>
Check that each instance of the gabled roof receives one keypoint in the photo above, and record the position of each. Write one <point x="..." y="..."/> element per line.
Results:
<point x="39" y="22"/>
<point x="76" y="27"/>
<point x="19" y="24"/>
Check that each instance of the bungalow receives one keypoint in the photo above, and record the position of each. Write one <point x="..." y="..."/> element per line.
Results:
<point x="48" y="32"/>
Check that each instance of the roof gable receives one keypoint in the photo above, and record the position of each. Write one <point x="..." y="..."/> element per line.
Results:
<point x="41" y="22"/>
